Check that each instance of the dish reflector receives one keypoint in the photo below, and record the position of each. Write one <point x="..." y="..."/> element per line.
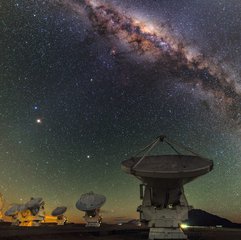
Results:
<point x="34" y="203"/>
<point x="181" y="167"/>
<point x="59" y="211"/>
<point x="90" y="201"/>
<point x="14" y="209"/>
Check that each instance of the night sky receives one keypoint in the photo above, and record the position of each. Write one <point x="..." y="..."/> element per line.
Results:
<point x="85" y="84"/>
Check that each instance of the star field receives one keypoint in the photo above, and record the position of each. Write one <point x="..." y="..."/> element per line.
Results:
<point x="78" y="96"/>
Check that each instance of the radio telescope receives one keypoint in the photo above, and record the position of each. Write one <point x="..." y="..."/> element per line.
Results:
<point x="164" y="205"/>
<point x="91" y="203"/>
<point x="2" y="201"/>
<point x="13" y="212"/>
<point x="59" y="213"/>
<point x="28" y="214"/>
<point x="34" y="205"/>
<point x="34" y="213"/>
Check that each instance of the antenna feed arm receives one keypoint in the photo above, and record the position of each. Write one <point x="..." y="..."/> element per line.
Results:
<point x="161" y="138"/>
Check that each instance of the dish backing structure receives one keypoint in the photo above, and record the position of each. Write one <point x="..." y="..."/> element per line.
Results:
<point x="164" y="205"/>
<point x="91" y="203"/>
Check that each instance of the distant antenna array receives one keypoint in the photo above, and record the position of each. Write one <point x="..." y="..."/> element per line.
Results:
<point x="164" y="206"/>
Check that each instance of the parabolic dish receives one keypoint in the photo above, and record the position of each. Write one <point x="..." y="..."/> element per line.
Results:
<point x="14" y="209"/>
<point x="34" y="203"/>
<point x="58" y="211"/>
<point x="168" y="167"/>
<point x="90" y="201"/>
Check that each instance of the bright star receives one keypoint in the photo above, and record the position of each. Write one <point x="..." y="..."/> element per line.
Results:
<point x="39" y="120"/>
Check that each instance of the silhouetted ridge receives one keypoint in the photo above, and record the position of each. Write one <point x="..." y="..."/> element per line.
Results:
<point x="199" y="217"/>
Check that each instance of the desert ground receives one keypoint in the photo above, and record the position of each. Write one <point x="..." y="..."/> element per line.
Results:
<point x="107" y="232"/>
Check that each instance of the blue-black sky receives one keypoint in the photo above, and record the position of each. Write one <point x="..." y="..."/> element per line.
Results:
<point x="79" y="94"/>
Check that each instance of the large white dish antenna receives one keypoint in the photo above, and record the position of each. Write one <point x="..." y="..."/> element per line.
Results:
<point x="164" y="205"/>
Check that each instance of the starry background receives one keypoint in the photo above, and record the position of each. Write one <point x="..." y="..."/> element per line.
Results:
<point x="71" y="110"/>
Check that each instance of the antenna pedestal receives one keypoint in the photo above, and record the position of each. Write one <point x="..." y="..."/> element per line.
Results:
<point x="164" y="223"/>
<point x="31" y="221"/>
<point x="15" y="221"/>
<point x="164" y="210"/>
<point x="27" y="219"/>
<point x="166" y="233"/>
<point x="61" y="220"/>
<point x="93" y="218"/>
